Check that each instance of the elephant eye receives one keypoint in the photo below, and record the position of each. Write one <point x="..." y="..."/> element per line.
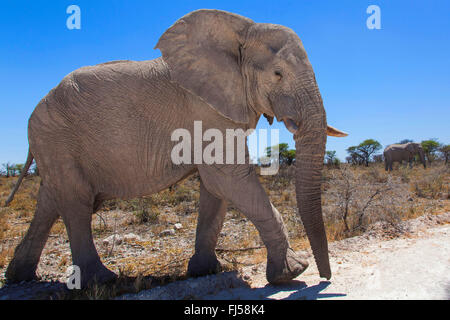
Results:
<point x="278" y="75"/>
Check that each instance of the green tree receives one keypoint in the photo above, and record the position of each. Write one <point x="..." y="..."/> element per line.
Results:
<point x="9" y="169"/>
<point x="363" y="152"/>
<point x="19" y="168"/>
<point x="331" y="159"/>
<point x="430" y="147"/>
<point x="367" y="149"/>
<point x="405" y="141"/>
<point x="354" y="157"/>
<point x="287" y="156"/>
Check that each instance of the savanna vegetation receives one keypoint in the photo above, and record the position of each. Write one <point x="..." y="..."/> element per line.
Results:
<point x="154" y="236"/>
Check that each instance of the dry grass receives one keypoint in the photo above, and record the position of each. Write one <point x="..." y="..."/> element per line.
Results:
<point x="354" y="198"/>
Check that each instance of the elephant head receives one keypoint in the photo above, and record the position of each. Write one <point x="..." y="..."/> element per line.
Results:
<point x="240" y="67"/>
<point x="416" y="148"/>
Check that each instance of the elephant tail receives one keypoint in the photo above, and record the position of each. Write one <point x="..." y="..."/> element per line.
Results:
<point x="22" y="175"/>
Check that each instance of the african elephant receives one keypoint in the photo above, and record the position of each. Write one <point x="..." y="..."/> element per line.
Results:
<point x="400" y="152"/>
<point x="216" y="67"/>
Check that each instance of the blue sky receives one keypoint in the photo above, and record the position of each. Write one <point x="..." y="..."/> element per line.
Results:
<point x="387" y="84"/>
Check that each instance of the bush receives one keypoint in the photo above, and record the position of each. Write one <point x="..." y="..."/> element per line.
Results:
<point x="147" y="215"/>
<point x="356" y="198"/>
<point x="432" y="184"/>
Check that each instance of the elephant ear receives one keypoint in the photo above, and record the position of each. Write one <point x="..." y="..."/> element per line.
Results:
<point x="202" y="50"/>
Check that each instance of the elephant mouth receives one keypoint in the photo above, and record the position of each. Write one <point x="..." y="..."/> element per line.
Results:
<point x="290" y="125"/>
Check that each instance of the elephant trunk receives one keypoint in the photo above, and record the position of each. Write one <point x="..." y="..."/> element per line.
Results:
<point x="310" y="141"/>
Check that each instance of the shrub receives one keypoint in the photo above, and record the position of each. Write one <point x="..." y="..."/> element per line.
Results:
<point x="147" y="215"/>
<point x="431" y="184"/>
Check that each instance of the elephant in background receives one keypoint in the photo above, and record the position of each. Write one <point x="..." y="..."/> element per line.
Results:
<point x="216" y="67"/>
<point x="403" y="152"/>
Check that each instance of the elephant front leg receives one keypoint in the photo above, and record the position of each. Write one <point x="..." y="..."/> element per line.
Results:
<point x="210" y="220"/>
<point x="240" y="185"/>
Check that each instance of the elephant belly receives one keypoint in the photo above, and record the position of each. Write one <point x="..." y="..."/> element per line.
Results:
<point x="132" y="173"/>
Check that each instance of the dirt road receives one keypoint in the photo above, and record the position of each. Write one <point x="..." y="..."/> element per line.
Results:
<point x="407" y="268"/>
<point x="414" y="266"/>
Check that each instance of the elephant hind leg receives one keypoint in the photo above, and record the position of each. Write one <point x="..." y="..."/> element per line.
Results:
<point x="26" y="256"/>
<point x="76" y="203"/>
<point x="77" y="217"/>
<point x="210" y="220"/>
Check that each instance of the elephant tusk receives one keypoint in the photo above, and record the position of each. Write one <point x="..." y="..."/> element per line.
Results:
<point x="335" y="132"/>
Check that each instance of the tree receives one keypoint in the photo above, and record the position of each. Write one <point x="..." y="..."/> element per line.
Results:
<point x="354" y="156"/>
<point x="363" y="152"/>
<point x="430" y="147"/>
<point x="19" y="168"/>
<point x="367" y="148"/>
<point x="287" y="157"/>
<point x="331" y="159"/>
<point x="9" y="170"/>
<point x="378" y="158"/>
<point x="405" y="141"/>
<point x="445" y="152"/>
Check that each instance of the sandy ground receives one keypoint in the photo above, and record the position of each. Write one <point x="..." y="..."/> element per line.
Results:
<point x="407" y="268"/>
<point x="414" y="266"/>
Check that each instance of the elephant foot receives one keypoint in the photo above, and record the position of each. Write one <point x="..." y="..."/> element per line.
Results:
<point x="283" y="270"/>
<point x="203" y="264"/>
<point x="19" y="272"/>
<point x="96" y="274"/>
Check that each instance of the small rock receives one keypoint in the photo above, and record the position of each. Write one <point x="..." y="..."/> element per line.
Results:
<point x="168" y="232"/>
<point x="178" y="226"/>
<point x="131" y="237"/>
<point x="110" y="240"/>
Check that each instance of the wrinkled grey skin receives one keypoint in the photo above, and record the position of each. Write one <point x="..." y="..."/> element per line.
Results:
<point x="403" y="152"/>
<point x="104" y="132"/>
